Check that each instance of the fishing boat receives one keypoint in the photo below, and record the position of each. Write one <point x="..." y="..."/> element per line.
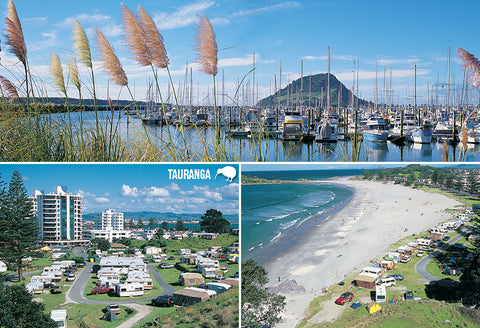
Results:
<point x="376" y="130"/>
<point x="423" y="134"/>
<point x="292" y="127"/>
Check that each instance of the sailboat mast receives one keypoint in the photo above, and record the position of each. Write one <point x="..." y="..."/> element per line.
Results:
<point x="329" y="101"/>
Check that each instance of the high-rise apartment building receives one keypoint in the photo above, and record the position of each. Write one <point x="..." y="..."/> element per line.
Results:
<point x="110" y="220"/>
<point x="59" y="215"/>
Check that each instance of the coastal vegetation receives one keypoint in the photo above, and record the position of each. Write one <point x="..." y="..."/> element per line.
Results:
<point x="260" y="307"/>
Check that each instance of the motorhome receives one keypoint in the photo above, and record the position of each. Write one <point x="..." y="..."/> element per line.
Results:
<point x="380" y="294"/>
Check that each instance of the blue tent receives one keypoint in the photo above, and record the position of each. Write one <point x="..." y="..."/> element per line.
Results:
<point x="356" y="305"/>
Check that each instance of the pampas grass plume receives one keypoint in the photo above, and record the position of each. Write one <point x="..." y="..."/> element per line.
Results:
<point x="206" y="46"/>
<point x="153" y="39"/>
<point x="57" y="72"/>
<point x="9" y="89"/>
<point x="14" y="34"/>
<point x="73" y="73"/>
<point x="472" y="63"/>
<point x="135" y="37"/>
<point x="109" y="60"/>
<point x="81" y="44"/>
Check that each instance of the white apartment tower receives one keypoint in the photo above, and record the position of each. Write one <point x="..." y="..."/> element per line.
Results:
<point x="59" y="215"/>
<point x="110" y="220"/>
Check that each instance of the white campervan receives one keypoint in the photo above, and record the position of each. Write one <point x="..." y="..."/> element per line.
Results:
<point x="387" y="282"/>
<point x="380" y="294"/>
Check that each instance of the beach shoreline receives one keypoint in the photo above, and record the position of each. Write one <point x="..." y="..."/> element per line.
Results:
<point x="377" y="216"/>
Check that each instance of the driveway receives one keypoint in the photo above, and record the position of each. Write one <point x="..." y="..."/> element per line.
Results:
<point x="75" y="292"/>
<point x="421" y="266"/>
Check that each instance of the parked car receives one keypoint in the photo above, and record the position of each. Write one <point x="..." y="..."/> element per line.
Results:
<point x="166" y="266"/>
<point x="409" y="295"/>
<point x="435" y="245"/>
<point x="71" y="277"/>
<point x="420" y="253"/>
<point x="163" y="300"/>
<point x="49" y="285"/>
<point x="56" y="290"/>
<point x="446" y="238"/>
<point x="113" y="308"/>
<point x="237" y="274"/>
<point x="405" y="259"/>
<point x="171" y="258"/>
<point x="397" y="276"/>
<point x="80" y="265"/>
<point x="101" y="290"/>
<point x="344" y="298"/>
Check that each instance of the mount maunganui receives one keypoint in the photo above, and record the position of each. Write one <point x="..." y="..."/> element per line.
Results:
<point x="318" y="94"/>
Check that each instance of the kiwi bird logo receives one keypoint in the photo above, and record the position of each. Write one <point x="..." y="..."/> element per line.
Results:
<point x="228" y="171"/>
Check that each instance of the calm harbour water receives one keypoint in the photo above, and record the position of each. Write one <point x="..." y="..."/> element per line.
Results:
<point x="273" y="150"/>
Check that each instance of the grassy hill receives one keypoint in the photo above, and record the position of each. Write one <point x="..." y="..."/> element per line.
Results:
<point x="318" y="92"/>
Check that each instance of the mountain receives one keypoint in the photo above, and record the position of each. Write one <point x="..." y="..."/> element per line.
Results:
<point x="318" y="95"/>
<point x="157" y="216"/>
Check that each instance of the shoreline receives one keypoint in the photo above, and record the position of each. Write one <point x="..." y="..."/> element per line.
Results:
<point x="287" y="239"/>
<point x="377" y="216"/>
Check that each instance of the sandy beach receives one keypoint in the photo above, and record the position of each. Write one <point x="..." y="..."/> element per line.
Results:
<point x="378" y="215"/>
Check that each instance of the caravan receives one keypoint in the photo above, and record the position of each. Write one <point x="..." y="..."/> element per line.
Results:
<point x="380" y="294"/>
<point x="129" y="290"/>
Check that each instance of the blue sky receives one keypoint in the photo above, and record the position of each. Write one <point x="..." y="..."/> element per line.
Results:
<point x="390" y="34"/>
<point x="133" y="187"/>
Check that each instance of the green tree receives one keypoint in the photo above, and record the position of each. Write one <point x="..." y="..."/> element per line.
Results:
<point x="259" y="306"/>
<point x="213" y="221"/>
<point x="470" y="280"/>
<point x="472" y="182"/>
<point x="449" y="182"/>
<point x="103" y="244"/>
<point x="140" y="223"/>
<point x="165" y="225"/>
<point x="151" y="223"/>
<point x="18" y="310"/>
<point x="180" y="226"/>
<point x="19" y="231"/>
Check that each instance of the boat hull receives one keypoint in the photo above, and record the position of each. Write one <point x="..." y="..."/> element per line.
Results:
<point x="374" y="136"/>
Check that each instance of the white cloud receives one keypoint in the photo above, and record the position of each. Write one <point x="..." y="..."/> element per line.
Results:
<point x="219" y="21"/>
<point x="314" y="58"/>
<point x="242" y="61"/>
<point x="256" y="11"/>
<point x="391" y="61"/>
<point x="230" y="191"/>
<point x="127" y="191"/>
<point x="156" y="192"/>
<point x="35" y="19"/>
<point x="85" y="193"/>
<point x="173" y="187"/>
<point x="86" y="18"/>
<point x="102" y="200"/>
<point x="50" y="40"/>
<point x="182" y="17"/>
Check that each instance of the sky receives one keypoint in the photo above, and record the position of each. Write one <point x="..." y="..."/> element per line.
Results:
<point x="382" y="35"/>
<point x="133" y="187"/>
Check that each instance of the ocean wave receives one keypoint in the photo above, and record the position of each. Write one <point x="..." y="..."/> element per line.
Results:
<point x="276" y="237"/>
<point x="289" y="224"/>
<point x="251" y="248"/>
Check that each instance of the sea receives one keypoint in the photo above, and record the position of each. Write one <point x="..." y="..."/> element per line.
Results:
<point x="275" y="217"/>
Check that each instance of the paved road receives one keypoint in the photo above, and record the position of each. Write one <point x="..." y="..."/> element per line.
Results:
<point x="75" y="292"/>
<point x="421" y="266"/>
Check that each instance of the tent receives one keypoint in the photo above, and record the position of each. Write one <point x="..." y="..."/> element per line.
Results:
<point x="373" y="307"/>
<point x="356" y="305"/>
